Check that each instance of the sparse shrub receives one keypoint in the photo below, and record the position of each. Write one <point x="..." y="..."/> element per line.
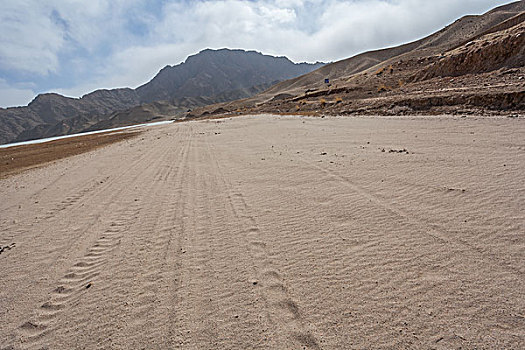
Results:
<point x="322" y="102"/>
<point x="297" y="108"/>
<point x="338" y="100"/>
<point x="380" y="71"/>
<point x="401" y="83"/>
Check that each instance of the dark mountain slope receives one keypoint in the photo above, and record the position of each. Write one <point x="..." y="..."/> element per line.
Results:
<point x="47" y="110"/>
<point x="217" y="75"/>
<point x="212" y="72"/>
<point x="174" y="108"/>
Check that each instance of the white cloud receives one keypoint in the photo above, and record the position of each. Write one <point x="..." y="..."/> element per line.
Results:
<point x="278" y="15"/>
<point x="30" y="41"/>
<point x="91" y="24"/>
<point x="306" y="30"/>
<point x="114" y="43"/>
<point x="14" y="95"/>
<point x="36" y="33"/>
<point x="131" y="67"/>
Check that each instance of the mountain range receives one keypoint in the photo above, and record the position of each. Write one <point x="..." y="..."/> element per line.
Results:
<point x="211" y="76"/>
<point x="475" y="65"/>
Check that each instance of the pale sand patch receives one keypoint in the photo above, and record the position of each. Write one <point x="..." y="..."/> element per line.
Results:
<point x="272" y="232"/>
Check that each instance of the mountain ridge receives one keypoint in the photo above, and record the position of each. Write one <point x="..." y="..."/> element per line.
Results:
<point x="484" y="52"/>
<point x="375" y="82"/>
<point x="219" y="75"/>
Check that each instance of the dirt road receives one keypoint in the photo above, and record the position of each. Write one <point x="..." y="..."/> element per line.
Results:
<point x="272" y="233"/>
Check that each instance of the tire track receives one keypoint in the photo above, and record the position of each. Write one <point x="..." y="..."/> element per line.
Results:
<point x="85" y="270"/>
<point x="86" y="184"/>
<point x="76" y="282"/>
<point x="76" y="201"/>
<point x="281" y="308"/>
<point x="102" y="201"/>
<point x="106" y="183"/>
<point x="160" y="268"/>
<point x="423" y="227"/>
<point x="132" y="295"/>
<point x="198" y="299"/>
<point x="89" y="185"/>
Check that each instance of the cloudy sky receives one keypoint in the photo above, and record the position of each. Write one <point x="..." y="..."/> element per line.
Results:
<point x="76" y="46"/>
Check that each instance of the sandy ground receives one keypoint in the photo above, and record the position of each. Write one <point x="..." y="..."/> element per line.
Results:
<point x="272" y="233"/>
<point x="16" y="159"/>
